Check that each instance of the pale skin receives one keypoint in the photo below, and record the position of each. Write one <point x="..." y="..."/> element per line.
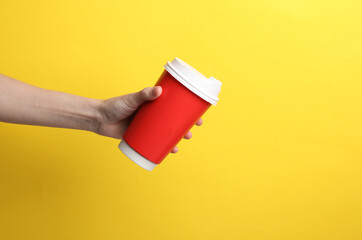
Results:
<point x="23" y="103"/>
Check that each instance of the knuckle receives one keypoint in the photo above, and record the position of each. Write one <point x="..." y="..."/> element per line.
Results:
<point x="144" y="92"/>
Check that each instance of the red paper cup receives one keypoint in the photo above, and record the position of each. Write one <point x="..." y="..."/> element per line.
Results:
<point x="160" y="124"/>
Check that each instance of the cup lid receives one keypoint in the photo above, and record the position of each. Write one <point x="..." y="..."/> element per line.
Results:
<point x="206" y="88"/>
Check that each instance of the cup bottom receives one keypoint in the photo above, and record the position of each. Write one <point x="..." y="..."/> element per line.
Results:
<point x="135" y="156"/>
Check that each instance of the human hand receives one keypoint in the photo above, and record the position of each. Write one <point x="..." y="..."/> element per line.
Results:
<point x="115" y="114"/>
<point x="23" y="103"/>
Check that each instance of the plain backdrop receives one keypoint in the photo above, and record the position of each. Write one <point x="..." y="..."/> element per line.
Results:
<point x="278" y="158"/>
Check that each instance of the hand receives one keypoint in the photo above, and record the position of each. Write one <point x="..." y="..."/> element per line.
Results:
<point x="115" y="114"/>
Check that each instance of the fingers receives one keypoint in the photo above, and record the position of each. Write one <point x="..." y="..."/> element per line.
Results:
<point x="199" y="122"/>
<point x="174" y="150"/>
<point x="135" y="100"/>
<point x="149" y="93"/>
<point x="156" y="92"/>
<point x="188" y="135"/>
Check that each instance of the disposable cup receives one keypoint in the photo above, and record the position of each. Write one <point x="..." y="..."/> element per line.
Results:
<point x="160" y="124"/>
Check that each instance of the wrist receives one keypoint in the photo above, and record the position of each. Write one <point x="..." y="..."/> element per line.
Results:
<point x="94" y="117"/>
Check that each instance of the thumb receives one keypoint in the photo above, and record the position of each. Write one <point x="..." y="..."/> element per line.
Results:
<point x="135" y="100"/>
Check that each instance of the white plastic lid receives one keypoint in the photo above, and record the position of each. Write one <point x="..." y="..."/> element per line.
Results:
<point x="135" y="156"/>
<point x="206" y="88"/>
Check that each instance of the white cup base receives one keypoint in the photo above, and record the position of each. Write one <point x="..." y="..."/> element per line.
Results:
<point x="135" y="156"/>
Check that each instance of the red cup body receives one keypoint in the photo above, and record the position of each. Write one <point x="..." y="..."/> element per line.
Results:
<point x="160" y="124"/>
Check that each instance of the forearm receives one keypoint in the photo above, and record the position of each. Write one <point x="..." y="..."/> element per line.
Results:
<point x="26" y="104"/>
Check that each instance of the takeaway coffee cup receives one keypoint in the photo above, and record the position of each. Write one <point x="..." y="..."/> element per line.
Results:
<point x="160" y="124"/>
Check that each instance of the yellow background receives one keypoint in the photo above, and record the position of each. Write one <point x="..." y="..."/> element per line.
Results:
<point x="278" y="158"/>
